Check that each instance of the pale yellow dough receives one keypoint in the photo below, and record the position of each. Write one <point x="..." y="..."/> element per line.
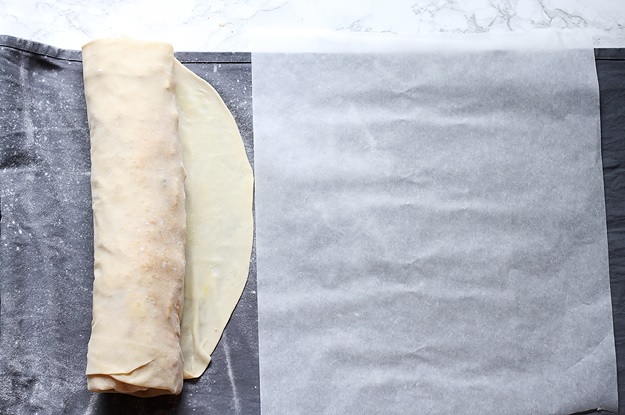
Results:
<point x="147" y="113"/>
<point x="220" y="226"/>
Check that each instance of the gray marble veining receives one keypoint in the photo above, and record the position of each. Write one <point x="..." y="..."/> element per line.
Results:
<point x="222" y="25"/>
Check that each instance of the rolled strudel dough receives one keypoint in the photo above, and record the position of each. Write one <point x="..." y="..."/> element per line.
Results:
<point x="148" y="114"/>
<point x="137" y="179"/>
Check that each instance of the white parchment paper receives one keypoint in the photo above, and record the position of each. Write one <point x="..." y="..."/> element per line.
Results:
<point x="431" y="233"/>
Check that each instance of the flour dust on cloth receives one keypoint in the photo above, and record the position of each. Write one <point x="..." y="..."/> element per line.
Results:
<point x="173" y="228"/>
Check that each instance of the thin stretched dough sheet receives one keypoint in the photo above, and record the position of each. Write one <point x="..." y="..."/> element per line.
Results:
<point x="219" y="216"/>
<point x="186" y="117"/>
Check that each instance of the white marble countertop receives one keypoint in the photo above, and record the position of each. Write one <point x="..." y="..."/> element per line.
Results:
<point x="222" y="25"/>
